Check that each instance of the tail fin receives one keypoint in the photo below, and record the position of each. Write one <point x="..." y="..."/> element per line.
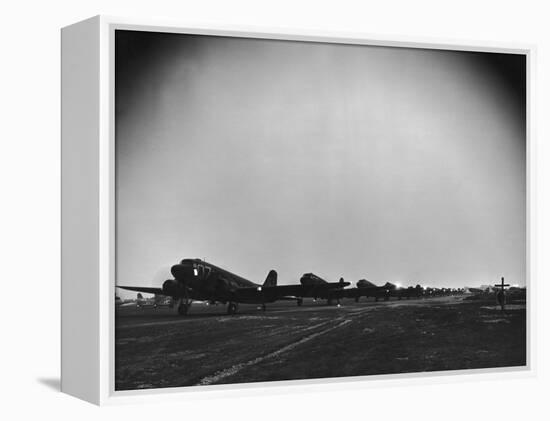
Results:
<point x="271" y="279"/>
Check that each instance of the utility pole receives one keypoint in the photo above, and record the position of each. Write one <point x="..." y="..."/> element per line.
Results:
<point x="500" y="293"/>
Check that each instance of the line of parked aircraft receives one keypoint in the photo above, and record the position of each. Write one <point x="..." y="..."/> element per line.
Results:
<point x="196" y="279"/>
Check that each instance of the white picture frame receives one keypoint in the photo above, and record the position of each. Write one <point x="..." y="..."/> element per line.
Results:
<point x="88" y="211"/>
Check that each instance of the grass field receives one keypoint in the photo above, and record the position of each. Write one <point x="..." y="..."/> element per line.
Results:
<point x="155" y="348"/>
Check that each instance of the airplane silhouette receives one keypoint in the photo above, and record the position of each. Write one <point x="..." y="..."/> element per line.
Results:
<point x="316" y="287"/>
<point x="368" y="289"/>
<point x="196" y="279"/>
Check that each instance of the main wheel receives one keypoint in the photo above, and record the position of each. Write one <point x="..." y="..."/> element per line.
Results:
<point x="299" y="301"/>
<point x="232" y="308"/>
<point x="183" y="309"/>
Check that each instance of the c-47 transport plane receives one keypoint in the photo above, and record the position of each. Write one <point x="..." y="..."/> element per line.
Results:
<point x="368" y="289"/>
<point x="316" y="287"/>
<point x="196" y="279"/>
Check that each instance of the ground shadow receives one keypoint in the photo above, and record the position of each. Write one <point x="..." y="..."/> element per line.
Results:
<point x="53" y="383"/>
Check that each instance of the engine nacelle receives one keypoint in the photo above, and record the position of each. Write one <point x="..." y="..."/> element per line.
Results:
<point x="173" y="288"/>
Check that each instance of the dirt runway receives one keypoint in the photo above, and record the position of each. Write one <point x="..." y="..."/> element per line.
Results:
<point x="156" y="348"/>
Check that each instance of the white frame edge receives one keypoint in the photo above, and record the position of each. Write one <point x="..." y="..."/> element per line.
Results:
<point x="80" y="365"/>
<point x="99" y="388"/>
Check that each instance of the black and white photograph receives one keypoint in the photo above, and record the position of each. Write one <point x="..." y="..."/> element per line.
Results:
<point x="307" y="210"/>
<point x="278" y="210"/>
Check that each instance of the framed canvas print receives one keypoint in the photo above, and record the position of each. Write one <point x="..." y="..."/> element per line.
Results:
<point x="252" y="209"/>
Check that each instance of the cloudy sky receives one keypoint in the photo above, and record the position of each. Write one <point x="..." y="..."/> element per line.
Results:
<point x="390" y="164"/>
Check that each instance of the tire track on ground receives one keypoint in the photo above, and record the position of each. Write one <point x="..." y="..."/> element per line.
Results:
<point x="234" y="369"/>
<point x="219" y="375"/>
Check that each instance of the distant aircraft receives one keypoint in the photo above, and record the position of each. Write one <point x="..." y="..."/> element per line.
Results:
<point x="409" y="292"/>
<point x="138" y="302"/>
<point x="119" y="301"/>
<point x="316" y="287"/>
<point x="155" y="302"/>
<point x="196" y="279"/>
<point x="128" y="302"/>
<point x="368" y="289"/>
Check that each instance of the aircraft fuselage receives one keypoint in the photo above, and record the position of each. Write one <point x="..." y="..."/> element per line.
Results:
<point x="199" y="280"/>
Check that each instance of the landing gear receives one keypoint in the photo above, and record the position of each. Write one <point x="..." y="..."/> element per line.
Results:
<point x="356" y="299"/>
<point x="232" y="308"/>
<point x="263" y="307"/>
<point x="330" y="301"/>
<point x="299" y="302"/>
<point x="183" y="305"/>
<point x="183" y="308"/>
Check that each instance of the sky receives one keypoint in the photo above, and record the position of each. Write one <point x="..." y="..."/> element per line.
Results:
<point x="383" y="163"/>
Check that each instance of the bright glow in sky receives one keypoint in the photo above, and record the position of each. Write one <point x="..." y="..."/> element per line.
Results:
<point x="389" y="164"/>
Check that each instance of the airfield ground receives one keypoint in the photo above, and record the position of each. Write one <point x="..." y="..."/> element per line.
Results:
<point x="156" y="348"/>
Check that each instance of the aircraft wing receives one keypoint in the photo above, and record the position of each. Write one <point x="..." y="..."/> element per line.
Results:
<point x="285" y="292"/>
<point x="147" y="290"/>
<point x="332" y="285"/>
<point x="273" y="293"/>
